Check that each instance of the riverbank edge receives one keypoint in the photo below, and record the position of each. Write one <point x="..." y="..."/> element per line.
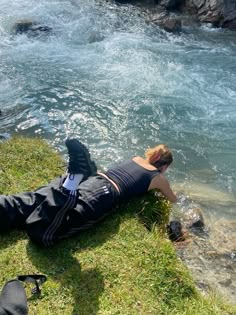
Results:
<point x="156" y="278"/>
<point x="220" y="14"/>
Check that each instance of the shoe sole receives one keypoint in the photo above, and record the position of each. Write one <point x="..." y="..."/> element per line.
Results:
<point x="73" y="144"/>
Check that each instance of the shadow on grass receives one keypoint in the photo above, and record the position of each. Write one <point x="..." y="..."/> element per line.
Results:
<point x="59" y="264"/>
<point x="11" y="237"/>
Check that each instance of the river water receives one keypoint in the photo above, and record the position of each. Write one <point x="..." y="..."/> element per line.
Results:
<point x="121" y="84"/>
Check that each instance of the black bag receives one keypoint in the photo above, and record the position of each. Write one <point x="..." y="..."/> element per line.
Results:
<point x="13" y="299"/>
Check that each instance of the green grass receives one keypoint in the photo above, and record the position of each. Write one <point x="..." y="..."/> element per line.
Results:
<point x="124" y="265"/>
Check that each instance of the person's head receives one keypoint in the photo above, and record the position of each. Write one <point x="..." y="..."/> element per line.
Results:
<point x="159" y="156"/>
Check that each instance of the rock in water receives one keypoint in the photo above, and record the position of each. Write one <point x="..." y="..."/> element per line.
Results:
<point x="175" y="231"/>
<point x="22" y="26"/>
<point x="31" y="28"/>
<point x="194" y="217"/>
<point x="168" y="22"/>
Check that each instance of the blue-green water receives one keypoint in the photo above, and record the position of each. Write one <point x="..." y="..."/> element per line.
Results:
<point x="121" y="85"/>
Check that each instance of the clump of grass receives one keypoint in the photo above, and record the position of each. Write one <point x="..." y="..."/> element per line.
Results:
<point x="117" y="267"/>
<point x="26" y="164"/>
<point x="154" y="211"/>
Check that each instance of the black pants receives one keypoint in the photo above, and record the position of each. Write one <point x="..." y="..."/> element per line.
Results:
<point x="49" y="214"/>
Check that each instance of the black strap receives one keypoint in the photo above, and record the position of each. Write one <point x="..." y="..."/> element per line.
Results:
<point x="36" y="279"/>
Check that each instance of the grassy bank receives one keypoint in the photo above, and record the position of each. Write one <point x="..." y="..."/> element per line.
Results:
<point x="117" y="267"/>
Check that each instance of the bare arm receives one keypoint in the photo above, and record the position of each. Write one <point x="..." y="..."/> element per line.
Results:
<point x="161" y="183"/>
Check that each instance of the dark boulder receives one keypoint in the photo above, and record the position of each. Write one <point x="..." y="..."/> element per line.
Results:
<point x="175" y="231"/>
<point x="171" y="5"/>
<point x="220" y="13"/>
<point x="167" y="21"/>
<point x="31" y="28"/>
<point x="194" y="218"/>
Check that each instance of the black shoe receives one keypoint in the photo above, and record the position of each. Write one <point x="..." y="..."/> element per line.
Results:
<point x="79" y="159"/>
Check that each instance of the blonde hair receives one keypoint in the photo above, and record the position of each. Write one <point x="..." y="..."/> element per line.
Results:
<point x="159" y="155"/>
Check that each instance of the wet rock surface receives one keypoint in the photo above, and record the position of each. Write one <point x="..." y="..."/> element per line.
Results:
<point x="169" y="22"/>
<point x="212" y="265"/>
<point x="209" y="246"/>
<point x="31" y="28"/>
<point x="219" y="13"/>
<point x="175" y="231"/>
<point x="211" y="258"/>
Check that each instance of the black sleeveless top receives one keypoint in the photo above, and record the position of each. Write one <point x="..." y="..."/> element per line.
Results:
<point x="131" y="178"/>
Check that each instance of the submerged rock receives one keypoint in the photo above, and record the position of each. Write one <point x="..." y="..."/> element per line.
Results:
<point x="205" y="194"/>
<point x="191" y="219"/>
<point x="175" y="231"/>
<point x="31" y="28"/>
<point x="188" y="213"/>
<point x="212" y="260"/>
<point x="194" y="218"/>
<point x="223" y="237"/>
